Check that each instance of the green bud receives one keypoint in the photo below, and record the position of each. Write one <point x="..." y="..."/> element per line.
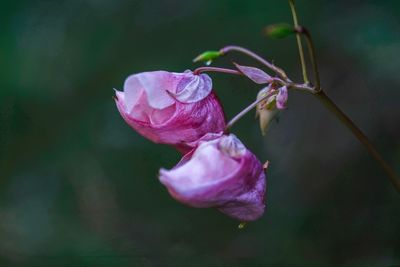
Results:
<point x="265" y="117"/>
<point x="265" y="110"/>
<point x="207" y="56"/>
<point x="278" y="31"/>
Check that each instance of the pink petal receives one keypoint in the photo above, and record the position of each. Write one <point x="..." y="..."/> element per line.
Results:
<point x="154" y="84"/>
<point x="180" y="125"/>
<point x="193" y="88"/>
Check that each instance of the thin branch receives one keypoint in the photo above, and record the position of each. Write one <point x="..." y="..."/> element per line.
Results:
<point x="215" y="69"/>
<point x="301" y="87"/>
<point x="311" y="49"/>
<point x="245" y="111"/>
<point x="361" y="137"/>
<point x="280" y="72"/>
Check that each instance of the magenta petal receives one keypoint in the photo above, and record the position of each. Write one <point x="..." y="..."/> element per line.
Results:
<point x="220" y="173"/>
<point x="255" y="74"/>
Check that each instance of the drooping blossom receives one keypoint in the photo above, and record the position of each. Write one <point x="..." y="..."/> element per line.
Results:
<point x="171" y="108"/>
<point x="220" y="173"/>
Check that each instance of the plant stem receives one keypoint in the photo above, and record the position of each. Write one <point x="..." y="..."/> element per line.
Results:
<point x="245" y="111"/>
<point x="360" y="136"/>
<point x="311" y="50"/>
<point x="215" y="69"/>
<point x="329" y="103"/>
<point x="299" y="44"/>
<point x="281" y="73"/>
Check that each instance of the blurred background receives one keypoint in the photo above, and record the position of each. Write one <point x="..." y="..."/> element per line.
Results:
<point x="79" y="187"/>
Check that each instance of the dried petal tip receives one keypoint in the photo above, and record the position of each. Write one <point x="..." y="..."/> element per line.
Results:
<point x="232" y="146"/>
<point x="207" y="56"/>
<point x="266" y="165"/>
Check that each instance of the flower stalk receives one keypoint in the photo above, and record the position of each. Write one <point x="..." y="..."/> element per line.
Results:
<point x="360" y="136"/>
<point x="320" y="94"/>
<point x="245" y="111"/>
<point x="311" y="49"/>
<point x="280" y="72"/>
<point x="307" y="87"/>
<point x="299" y="44"/>
<point x="216" y="69"/>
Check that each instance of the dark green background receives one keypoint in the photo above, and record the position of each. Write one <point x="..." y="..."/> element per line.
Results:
<point x="78" y="187"/>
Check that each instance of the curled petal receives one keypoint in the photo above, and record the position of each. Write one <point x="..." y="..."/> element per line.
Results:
<point x="232" y="146"/>
<point x="153" y="84"/>
<point x="220" y="173"/>
<point x="193" y="88"/>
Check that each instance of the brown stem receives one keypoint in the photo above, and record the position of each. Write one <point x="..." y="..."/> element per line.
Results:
<point x="215" y="69"/>
<point x="360" y="136"/>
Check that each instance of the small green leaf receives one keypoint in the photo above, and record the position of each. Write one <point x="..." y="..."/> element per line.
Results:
<point x="207" y="56"/>
<point x="278" y="31"/>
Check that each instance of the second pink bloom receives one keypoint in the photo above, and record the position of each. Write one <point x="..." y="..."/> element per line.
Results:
<point x="220" y="173"/>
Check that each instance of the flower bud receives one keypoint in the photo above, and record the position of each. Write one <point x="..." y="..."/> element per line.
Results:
<point x="220" y="173"/>
<point x="279" y="31"/>
<point x="207" y="56"/>
<point x="265" y="118"/>
<point x="266" y="109"/>
<point x="171" y="108"/>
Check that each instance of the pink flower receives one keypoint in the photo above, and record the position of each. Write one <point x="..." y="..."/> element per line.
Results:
<point x="171" y="108"/>
<point x="220" y="173"/>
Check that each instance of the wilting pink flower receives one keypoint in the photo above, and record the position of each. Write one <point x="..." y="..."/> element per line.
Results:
<point x="220" y="173"/>
<point x="171" y="108"/>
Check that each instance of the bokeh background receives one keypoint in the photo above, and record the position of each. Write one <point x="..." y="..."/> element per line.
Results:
<point x="78" y="187"/>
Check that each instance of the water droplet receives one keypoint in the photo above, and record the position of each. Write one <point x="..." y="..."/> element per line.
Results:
<point x="241" y="225"/>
